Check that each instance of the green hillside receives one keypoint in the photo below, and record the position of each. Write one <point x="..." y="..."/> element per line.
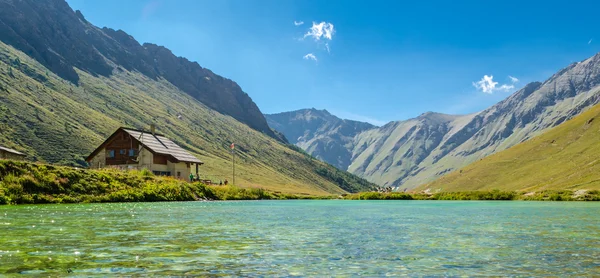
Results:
<point x="565" y="157"/>
<point x="52" y="120"/>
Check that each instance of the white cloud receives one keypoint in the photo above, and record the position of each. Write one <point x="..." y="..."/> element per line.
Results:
<point x="327" y="47"/>
<point x="321" y="30"/>
<point x="298" y="23"/>
<point x="486" y="84"/>
<point x="489" y="86"/>
<point x="310" y="56"/>
<point x="506" y="87"/>
<point x="590" y="41"/>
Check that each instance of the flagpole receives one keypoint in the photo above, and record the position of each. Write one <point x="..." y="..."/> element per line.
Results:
<point x="233" y="158"/>
<point x="233" y="166"/>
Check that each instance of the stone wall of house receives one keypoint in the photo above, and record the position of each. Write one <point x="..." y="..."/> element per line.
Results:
<point x="99" y="161"/>
<point x="181" y="168"/>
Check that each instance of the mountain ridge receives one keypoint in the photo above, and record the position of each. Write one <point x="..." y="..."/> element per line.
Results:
<point x="412" y="152"/>
<point x="76" y="43"/>
<point x="318" y="132"/>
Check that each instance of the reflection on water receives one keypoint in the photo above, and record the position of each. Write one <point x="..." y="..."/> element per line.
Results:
<point x="304" y="238"/>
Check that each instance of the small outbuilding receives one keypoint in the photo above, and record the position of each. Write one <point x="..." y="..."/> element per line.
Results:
<point x="129" y="148"/>
<point x="6" y="153"/>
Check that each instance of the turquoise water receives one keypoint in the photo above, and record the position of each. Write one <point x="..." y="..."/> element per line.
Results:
<point x="303" y="238"/>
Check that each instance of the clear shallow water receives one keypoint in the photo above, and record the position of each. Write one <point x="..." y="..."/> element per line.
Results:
<point x="303" y="238"/>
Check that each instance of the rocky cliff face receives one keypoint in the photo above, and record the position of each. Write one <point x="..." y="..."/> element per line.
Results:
<point x="321" y="134"/>
<point x="412" y="152"/>
<point x="59" y="38"/>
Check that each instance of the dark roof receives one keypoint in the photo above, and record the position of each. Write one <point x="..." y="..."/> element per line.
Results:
<point x="157" y="144"/>
<point x="11" y="151"/>
<point x="162" y="145"/>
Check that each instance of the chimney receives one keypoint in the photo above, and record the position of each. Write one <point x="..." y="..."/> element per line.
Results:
<point x="153" y="129"/>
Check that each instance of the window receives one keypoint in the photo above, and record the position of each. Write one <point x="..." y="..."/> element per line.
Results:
<point x="122" y="152"/>
<point x="179" y="174"/>
<point x="110" y="153"/>
<point x="131" y="152"/>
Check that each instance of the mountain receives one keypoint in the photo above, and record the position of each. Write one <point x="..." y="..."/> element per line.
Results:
<point x="63" y="41"/>
<point x="523" y="115"/>
<point x="416" y="151"/>
<point x="391" y="153"/>
<point x="565" y="157"/>
<point x="321" y="134"/>
<point x="65" y="85"/>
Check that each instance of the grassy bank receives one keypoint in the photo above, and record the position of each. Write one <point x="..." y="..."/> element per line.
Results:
<point x="546" y="195"/>
<point x="30" y="183"/>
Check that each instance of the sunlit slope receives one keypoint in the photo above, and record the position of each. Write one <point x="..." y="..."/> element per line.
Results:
<point x="565" y="157"/>
<point x="52" y="120"/>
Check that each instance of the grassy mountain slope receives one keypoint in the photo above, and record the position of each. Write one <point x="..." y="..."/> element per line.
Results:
<point x="62" y="40"/>
<point x="53" y="120"/>
<point x="565" y="157"/>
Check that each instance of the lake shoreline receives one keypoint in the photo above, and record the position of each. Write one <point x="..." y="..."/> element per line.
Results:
<point x="232" y="193"/>
<point x="31" y="183"/>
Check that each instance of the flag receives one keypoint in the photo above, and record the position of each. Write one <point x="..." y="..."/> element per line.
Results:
<point x="232" y="146"/>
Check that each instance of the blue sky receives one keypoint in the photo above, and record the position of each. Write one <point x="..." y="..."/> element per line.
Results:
<point x="374" y="61"/>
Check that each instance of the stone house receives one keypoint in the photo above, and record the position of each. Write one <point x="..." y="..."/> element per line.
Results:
<point x="135" y="149"/>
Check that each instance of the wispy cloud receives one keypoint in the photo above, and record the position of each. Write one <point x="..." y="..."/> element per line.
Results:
<point x="310" y="56"/>
<point x="150" y="8"/>
<point x="489" y="86"/>
<point x="321" y="30"/>
<point x="590" y="42"/>
<point x="321" y="34"/>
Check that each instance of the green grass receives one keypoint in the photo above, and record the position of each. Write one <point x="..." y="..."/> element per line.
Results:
<point x="566" y="157"/>
<point x="54" y="121"/>
<point x="33" y="183"/>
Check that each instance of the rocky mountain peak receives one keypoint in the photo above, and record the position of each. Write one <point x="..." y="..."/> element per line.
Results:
<point x="436" y="118"/>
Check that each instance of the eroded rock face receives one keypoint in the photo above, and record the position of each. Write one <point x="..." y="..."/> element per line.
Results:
<point x="321" y="134"/>
<point x="61" y="39"/>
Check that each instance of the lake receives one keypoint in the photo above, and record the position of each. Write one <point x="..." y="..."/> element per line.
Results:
<point x="303" y="238"/>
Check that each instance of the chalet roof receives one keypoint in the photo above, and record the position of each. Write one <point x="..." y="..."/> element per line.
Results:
<point x="11" y="151"/>
<point x="162" y="145"/>
<point x="155" y="143"/>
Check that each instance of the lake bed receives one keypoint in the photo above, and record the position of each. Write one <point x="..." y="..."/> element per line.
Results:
<point x="303" y="238"/>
